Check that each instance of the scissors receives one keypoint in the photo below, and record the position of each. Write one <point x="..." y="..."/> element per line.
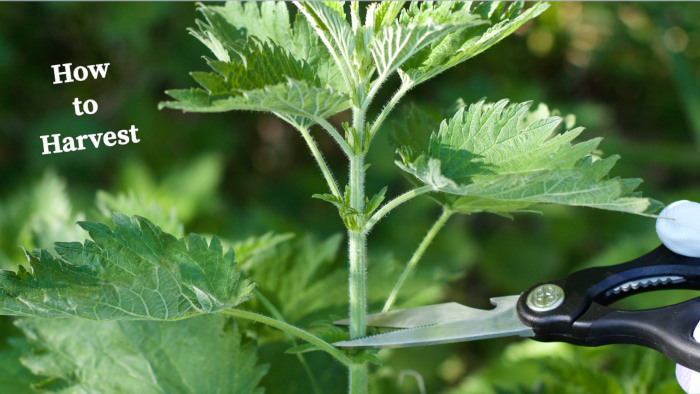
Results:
<point x="573" y="309"/>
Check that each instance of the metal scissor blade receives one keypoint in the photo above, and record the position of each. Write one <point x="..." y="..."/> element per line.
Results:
<point x="421" y="316"/>
<point x="498" y="322"/>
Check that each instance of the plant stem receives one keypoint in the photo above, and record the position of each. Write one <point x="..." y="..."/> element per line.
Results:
<point x="357" y="253"/>
<point x="332" y="184"/>
<point x="446" y="213"/>
<point x="278" y="315"/>
<point x="384" y="210"/>
<point x="292" y="330"/>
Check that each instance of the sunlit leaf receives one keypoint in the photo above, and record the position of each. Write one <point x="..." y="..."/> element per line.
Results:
<point x="498" y="162"/>
<point x="329" y="21"/>
<point x="295" y="101"/>
<point x="464" y="44"/>
<point x="131" y="271"/>
<point x="263" y="64"/>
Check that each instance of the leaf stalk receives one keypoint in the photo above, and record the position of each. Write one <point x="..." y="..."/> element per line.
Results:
<point x="278" y="315"/>
<point x="398" y="95"/>
<point x="388" y="207"/>
<point x="427" y="240"/>
<point x="335" y="135"/>
<point x="293" y="330"/>
<point x="316" y="153"/>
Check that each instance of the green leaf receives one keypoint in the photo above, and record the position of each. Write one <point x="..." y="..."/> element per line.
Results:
<point x="396" y="43"/>
<point x="382" y="13"/>
<point x="466" y="43"/>
<point x="134" y="271"/>
<point x="204" y="354"/>
<point x="301" y="277"/>
<point x="499" y="159"/>
<point x="237" y="21"/>
<point x="308" y="46"/>
<point x="132" y="205"/>
<point x="329" y="21"/>
<point x="372" y="204"/>
<point x="15" y="378"/>
<point x="262" y="66"/>
<point x="35" y="216"/>
<point x="417" y="28"/>
<point x="295" y="101"/>
<point x="190" y="187"/>
<point x="351" y="217"/>
<point x="248" y="248"/>
<point x="257" y="64"/>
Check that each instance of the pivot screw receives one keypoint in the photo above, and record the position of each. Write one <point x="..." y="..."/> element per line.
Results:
<point x="545" y="297"/>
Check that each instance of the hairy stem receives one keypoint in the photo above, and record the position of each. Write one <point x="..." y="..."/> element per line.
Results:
<point x="357" y="253"/>
<point x="437" y="226"/>
<point x="292" y="330"/>
<point x="388" y="207"/>
<point x="332" y="184"/>
<point x="278" y="315"/>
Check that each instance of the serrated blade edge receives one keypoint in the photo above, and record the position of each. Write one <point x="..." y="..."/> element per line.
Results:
<point x="498" y="322"/>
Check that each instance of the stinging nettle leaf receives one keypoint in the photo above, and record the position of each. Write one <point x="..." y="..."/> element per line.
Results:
<point x="382" y="13"/>
<point x="132" y="204"/>
<point x="350" y="216"/>
<point x="261" y="67"/>
<point x="466" y="43"/>
<point x="329" y="21"/>
<point x="395" y="44"/>
<point x="250" y="247"/>
<point x="417" y="28"/>
<point x="131" y="272"/>
<point x="373" y="203"/>
<point x="295" y="101"/>
<point x="302" y="278"/>
<point x="204" y="354"/>
<point x="500" y="158"/>
<point x="267" y="21"/>
<point x="34" y="217"/>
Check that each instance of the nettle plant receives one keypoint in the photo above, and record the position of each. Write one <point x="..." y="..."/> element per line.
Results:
<point x="492" y="157"/>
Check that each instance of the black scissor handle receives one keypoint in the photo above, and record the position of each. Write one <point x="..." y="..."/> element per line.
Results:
<point x="668" y="330"/>
<point x="584" y="319"/>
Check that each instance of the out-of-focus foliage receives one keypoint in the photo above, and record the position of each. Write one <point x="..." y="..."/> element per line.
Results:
<point x="203" y="354"/>
<point x="33" y="217"/>
<point x="628" y="71"/>
<point x="529" y="367"/>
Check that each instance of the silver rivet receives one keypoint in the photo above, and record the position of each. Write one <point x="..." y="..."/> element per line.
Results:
<point x="545" y="297"/>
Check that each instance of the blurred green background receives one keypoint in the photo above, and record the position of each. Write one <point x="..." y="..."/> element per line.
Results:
<point x="628" y="71"/>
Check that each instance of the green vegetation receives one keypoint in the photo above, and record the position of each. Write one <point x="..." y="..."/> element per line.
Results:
<point x="180" y="313"/>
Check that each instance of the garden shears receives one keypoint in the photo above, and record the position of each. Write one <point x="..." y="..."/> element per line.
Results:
<point x="573" y="309"/>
